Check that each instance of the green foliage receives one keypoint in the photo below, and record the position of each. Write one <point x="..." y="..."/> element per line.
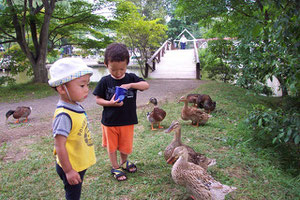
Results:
<point x="153" y="9"/>
<point x="18" y="62"/>
<point x="216" y="60"/>
<point x="7" y="80"/>
<point x="138" y="33"/>
<point x="177" y="25"/>
<point x="39" y="27"/>
<point x="53" y="56"/>
<point x="75" y="23"/>
<point x="267" y="33"/>
<point x="278" y="126"/>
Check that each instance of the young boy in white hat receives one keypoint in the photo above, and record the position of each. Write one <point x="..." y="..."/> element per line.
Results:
<point x="73" y="145"/>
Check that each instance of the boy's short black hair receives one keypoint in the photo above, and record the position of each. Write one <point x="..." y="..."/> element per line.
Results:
<point x="116" y="52"/>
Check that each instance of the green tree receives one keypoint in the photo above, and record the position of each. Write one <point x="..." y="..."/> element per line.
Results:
<point x="38" y="27"/>
<point x="267" y="33"/>
<point x="152" y="9"/>
<point x="141" y="36"/>
<point x="216" y="60"/>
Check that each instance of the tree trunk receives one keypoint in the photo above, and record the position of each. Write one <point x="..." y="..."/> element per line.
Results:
<point x="282" y="86"/>
<point x="40" y="71"/>
<point x="37" y="56"/>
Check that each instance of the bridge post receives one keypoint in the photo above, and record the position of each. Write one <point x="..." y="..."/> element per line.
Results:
<point x="146" y="70"/>
<point x="198" y="75"/>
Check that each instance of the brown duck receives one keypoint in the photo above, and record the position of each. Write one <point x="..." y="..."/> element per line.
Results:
<point x="197" y="181"/>
<point x="202" y="101"/>
<point x="196" y="115"/>
<point x="194" y="157"/>
<point x="20" y="112"/>
<point x="156" y="115"/>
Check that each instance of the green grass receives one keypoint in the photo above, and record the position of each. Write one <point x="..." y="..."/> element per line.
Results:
<point x="27" y="91"/>
<point x="257" y="172"/>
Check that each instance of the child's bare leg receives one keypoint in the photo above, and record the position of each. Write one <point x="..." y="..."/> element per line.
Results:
<point x="114" y="163"/>
<point x="113" y="160"/>
<point x="123" y="157"/>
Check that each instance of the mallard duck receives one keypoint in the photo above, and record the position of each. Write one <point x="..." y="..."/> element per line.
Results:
<point x="196" y="115"/>
<point x="194" y="157"/>
<point x="196" y="179"/>
<point x="20" y="112"/>
<point x="202" y="101"/>
<point x="192" y="98"/>
<point x="156" y="115"/>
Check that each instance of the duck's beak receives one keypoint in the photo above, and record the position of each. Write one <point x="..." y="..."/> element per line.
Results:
<point x="170" y="128"/>
<point x="172" y="160"/>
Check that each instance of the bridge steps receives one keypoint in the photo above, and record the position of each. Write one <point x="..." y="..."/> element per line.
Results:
<point x="176" y="64"/>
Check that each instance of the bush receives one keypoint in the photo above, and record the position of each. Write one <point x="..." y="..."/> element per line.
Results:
<point x="216" y="60"/>
<point x="7" y="80"/>
<point x="278" y="126"/>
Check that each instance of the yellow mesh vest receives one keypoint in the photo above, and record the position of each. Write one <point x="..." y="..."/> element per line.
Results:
<point x="79" y="143"/>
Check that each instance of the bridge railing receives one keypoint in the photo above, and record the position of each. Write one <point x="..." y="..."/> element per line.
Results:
<point x="197" y="61"/>
<point x="156" y="57"/>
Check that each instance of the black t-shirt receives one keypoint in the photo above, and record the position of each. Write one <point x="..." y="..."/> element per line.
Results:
<point x="118" y="116"/>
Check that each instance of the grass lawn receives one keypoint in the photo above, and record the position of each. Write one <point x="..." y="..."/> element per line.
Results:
<point x="257" y="172"/>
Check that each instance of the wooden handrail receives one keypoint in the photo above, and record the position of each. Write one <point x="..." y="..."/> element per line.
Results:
<point x="196" y="52"/>
<point x="198" y="76"/>
<point x="156" y="56"/>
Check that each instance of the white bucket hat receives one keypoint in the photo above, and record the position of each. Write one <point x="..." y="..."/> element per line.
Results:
<point x="67" y="69"/>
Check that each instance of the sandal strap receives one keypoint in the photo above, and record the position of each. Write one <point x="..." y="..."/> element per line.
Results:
<point x="129" y="165"/>
<point x="118" y="172"/>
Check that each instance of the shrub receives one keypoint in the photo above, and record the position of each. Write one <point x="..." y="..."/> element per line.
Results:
<point x="278" y="126"/>
<point x="6" y="80"/>
<point x="216" y="60"/>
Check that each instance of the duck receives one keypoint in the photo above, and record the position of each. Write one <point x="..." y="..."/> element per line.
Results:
<point x="157" y="115"/>
<point x="197" y="181"/>
<point x="194" y="157"/>
<point x="202" y="101"/>
<point x="192" y="98"/>
<point x="197" y="116"/>
<point x="19" y="112"/>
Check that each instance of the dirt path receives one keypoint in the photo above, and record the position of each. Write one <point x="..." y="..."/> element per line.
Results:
<point x="39" y="123"/>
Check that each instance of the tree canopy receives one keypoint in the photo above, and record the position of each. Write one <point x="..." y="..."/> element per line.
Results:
<point x="140" y="35"/>
<point x="39" y="26"/>
<point x="267" y="33"/>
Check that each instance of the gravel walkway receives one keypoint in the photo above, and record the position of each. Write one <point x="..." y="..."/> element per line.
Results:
<point x="42" y="109"/>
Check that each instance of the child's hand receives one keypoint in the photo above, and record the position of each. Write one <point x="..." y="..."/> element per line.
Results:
<point x="73" y="177"/>
<point x="116" y="102"/>
<point x="126" y="86"/>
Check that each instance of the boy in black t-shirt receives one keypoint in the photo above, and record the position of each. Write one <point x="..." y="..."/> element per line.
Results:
<point x="118" y="117"/>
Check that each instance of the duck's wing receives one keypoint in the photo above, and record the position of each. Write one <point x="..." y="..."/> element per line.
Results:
<point x="205" y="184"/>
<point x="201" y="174"/>
<point x="198" y="182"/>
<point x="196" y="113"/>
<point x="21" y="111"/>
<point x="18" y="112"/>
<point x="159" y="114"/>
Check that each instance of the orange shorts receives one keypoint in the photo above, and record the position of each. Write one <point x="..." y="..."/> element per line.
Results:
<point x="118" y="138"/>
